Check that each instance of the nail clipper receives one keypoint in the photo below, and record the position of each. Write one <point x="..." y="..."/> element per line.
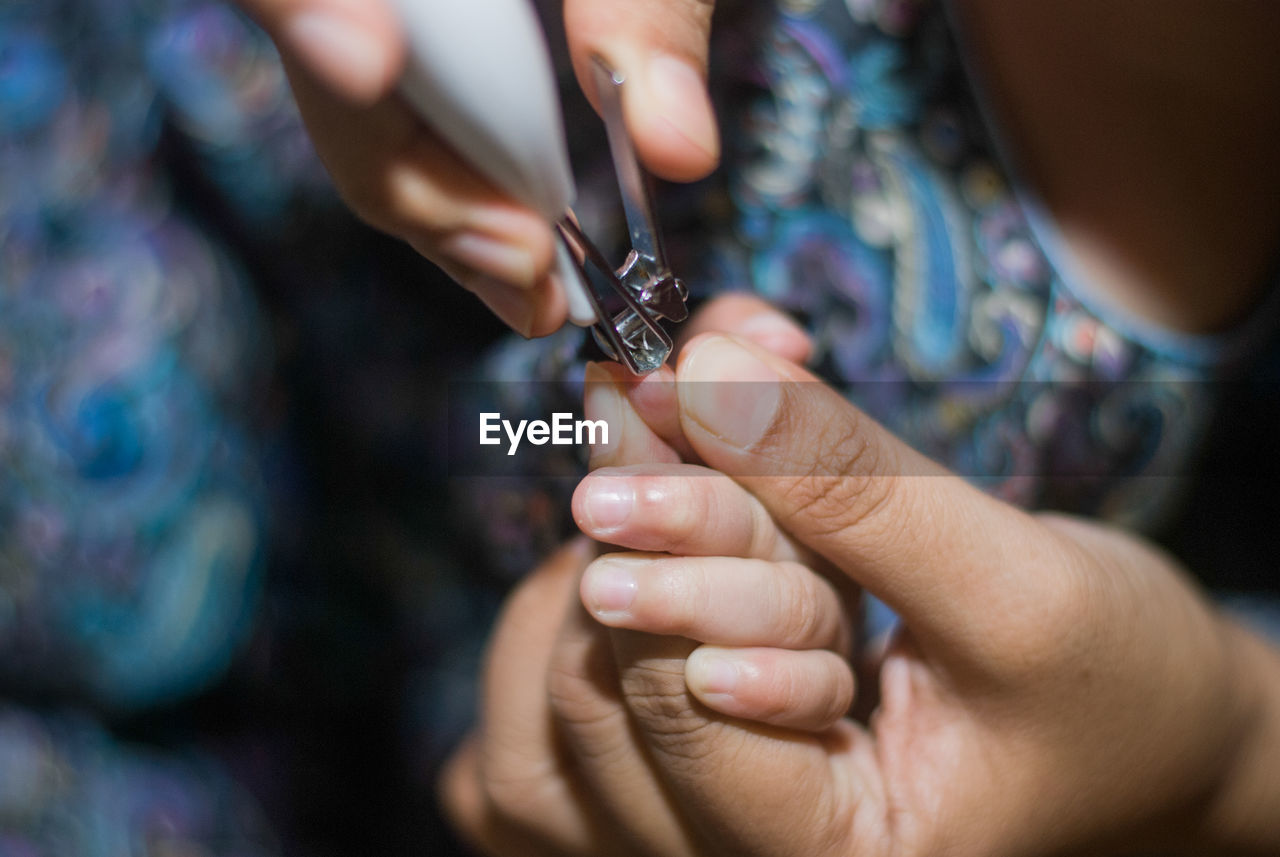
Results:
<point x="479" y="73"/>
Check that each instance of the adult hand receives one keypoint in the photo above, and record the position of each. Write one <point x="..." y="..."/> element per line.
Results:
<point x="344" y="57"/>
<point x="1057" y="686"/>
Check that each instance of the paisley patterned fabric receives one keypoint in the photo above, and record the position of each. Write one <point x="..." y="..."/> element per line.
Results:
<point x="867" y="196"/>
<point x="132" y="527"/>
<point x="123" y="800"/>
<point x="150" y="532"/>
<point x="126" y="338"/>
<point x="872" y="201"/>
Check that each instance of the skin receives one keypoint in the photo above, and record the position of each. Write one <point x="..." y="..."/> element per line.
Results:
<point x="1146" y="128"/>
<point x="343" y="58"/>
<point x="1058" y="686"/>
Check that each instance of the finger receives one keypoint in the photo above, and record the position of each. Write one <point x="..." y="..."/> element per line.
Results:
<point x="630" y="439"/>
<point x="401" y="178"/>
<point x="353" y="46"/>
<point x="945" y="556"/>
<point x="661" y="50"/>
<point x="524" y="784"/>
<point x="721" y="600"/>
<point x="582" y="686"/>
<point x="458" y="790"/>
<point x="485" y="830"/>
<point x="754" y="320"/>
<point x="535" y="312"/>
<point x="462" y="798"/>
<point x="715" y="764"/>
<point x="680" y="509"/>
<point x="809" y="690"/>
<point x="653" y="398"/>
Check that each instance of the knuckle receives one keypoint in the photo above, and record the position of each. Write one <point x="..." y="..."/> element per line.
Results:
<point x="685" y="509"/>
<point x="402" y="198"/>
<point x="781" y="694"/>
<point x="848" y="478"/>
<point x="762" y="534"/>
<point x="506" y="796"/>
<point x="802" y="617"/>
<point x="1070" y="597"/>
<point x="573" y="695"/>
<point x="567" y="694"/>
<point x="837" y="695"/>
<point x="845" y="447"/>
<point x="823" y="505"/>
<point x="595" y="732"/>
<point x="689" y="740"/>
<point x="515" y="786"/>
<point x="369" y="199"/>
<point x="655" y="696"/>
<point x="523" y="803"/>
<point x="461" y="817"/>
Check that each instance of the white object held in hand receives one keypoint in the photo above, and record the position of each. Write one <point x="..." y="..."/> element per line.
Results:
<point x="480" y="74"/>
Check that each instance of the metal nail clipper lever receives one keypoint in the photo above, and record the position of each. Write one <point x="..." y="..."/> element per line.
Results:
<point x="644" y="281"/>
<point x="480" y="75"/>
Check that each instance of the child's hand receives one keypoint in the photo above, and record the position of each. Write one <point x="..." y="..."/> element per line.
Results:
<point x="776" y="634"/>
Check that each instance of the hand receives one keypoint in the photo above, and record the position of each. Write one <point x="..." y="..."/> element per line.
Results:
<point x="344" y="57"/>
<point x="540" y="680"/>
<point x="554" y="767"/>
<point x="716" y="589"/>
<point x="642" y="412"/>
<point x="1057" y="685"/>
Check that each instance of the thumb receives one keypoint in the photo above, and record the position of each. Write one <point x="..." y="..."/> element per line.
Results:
<point x="956" y="564"/>
<point x="352" y="46"/>
<point x="660" y="48"/>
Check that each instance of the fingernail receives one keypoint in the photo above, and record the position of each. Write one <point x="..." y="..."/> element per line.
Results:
<point x="608" y="504"/>
<point x="729" y="392"/>
<point x="710" y="672"/>
<point x="509" y="263"/>
<point x="681" y="98"/>
<point x="347" y="56"/>
<point x="513" y="306"/>
<point x="603" y="401"/>
<point x="610" y="586"/>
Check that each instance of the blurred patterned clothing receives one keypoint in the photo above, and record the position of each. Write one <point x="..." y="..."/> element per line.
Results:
<point x="868" y="197"/>
<point x="124" y="801"/>
<point x="132" y="357"/>
<point x="230" y="555"/>
<point x="872" y="200"/>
